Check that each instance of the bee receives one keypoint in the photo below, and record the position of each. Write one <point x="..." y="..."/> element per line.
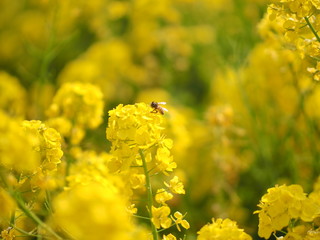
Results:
<point x="157" y="108"/>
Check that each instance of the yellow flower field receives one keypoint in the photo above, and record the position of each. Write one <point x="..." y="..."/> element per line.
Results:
<point x="159" y="120"/>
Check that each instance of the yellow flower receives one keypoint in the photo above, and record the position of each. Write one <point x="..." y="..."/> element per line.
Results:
<point x="175" y="185"/>
<point x="160" y="217"/>
<point x="134" y="127"/>
<point x="164" y="160"/>
<point x="137" y="180"/>
<point x="47" y="144"/>
<point x="281" y="204"/>
<point x="179" y="220"/>
<point x="162" y="196"/>
<point x="135" y="124"/>
<point x="169" y="237"/>
<point x="310" y="209"/>
<point x="294" y="15"/>
<point x="80" y="104"/>
<point x="132" y="209"/>
<point x="8" y="234"/>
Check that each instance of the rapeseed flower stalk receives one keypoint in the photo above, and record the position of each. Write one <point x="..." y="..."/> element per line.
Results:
<point x="26" y="181"/>
<point x="288" y="207"/>
<point x="140" y="149"/>
<point x="47" y="144"/>
<point x="76" y="107"/>
<point x="123" y="47"/>
<point x="300" y="23"/>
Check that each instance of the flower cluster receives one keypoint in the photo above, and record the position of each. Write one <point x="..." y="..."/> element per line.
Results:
<point x="239" y="103"/>
<point x="222" y="229"/>
<point x="47" y="144"/>
<point x="139" y="149"/>
<point x="133" y="128"/>
<point x="300" y="22"/>
<point x="76" y="106"/>
<point x="8" y="234"/>
<point x="283" y="206"/>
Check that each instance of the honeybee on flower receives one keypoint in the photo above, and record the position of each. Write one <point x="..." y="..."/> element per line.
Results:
<point x="157" y="108"/>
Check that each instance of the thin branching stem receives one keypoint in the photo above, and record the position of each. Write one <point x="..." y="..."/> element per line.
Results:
<point x="142" y="217"/>
<point x="35" y="218"/>
<point x="312" y="28"/>
<point x="24" y="232"/>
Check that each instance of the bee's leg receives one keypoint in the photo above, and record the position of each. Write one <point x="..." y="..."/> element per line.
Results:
<point x="154" y="111"/>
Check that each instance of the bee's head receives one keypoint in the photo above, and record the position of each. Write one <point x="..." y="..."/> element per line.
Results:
<point x="154" y="104"/>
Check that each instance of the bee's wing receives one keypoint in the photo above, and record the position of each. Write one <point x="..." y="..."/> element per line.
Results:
<point x="162" y="103"/>
<point x="165" y="109"/>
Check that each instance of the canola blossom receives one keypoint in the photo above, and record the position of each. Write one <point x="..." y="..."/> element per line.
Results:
<point x="88" y="153"/>
<point x="139" y="149"/>
<point x="284" y="204"/>
<point x="75" y="107"/>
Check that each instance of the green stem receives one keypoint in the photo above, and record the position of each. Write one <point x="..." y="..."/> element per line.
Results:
<point x="47" y="202"/>
<point x="150" y="195"/>
<point x="312" y="29"/>
<point x="24" y="232"/>
<point x="13" y="217"/>
<point x="137" y="216"/>
<point x="35" y="218"/>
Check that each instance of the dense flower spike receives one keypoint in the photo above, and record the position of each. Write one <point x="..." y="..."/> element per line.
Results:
<point x="241" y="103"/>
<point x="222" y="229"/>
<point x="300" y="21"/>
<point x="281" y="205"/>
<point x="76" y="106"/>
<point x="134" y="127"/>
<point x="47" y="144"/>
<point x="139" y="148"/>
